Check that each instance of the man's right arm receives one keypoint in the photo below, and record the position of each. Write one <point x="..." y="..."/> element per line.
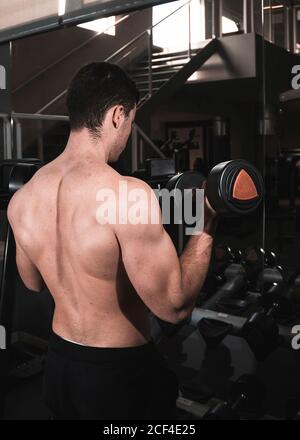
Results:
<point x="168" y="285"/>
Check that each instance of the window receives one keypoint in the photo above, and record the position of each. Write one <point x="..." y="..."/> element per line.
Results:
<point x="102" y="25"/>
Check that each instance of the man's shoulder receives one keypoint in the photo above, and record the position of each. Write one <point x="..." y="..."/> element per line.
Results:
<point x="22" y="199"/>
<point x="135" y="183"/>
<point x="14" y="209"/>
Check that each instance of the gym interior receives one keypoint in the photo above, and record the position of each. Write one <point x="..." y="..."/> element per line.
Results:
<point x="218" y="81"/>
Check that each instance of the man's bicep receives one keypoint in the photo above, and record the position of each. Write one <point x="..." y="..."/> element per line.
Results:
<point x="152" y="265"/>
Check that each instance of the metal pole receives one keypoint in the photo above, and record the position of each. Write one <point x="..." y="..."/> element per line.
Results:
<point x="293" y="35"/>
<point x="134" y="149"/>
<point x="141" y="152"/>
<point x="149" y="141"/>
<point x="217" y="18"/>
<point x="4" y="137"/>
<point x="40" y="141"/>
<point x="39" y="117"/>
<point x="190" y="30"/>
<point x="248" y="16"/>
<point x="7" y="139"/>
<point x="19" y="139"/>
<point x="286" y="27"/>
<point x="150" y="48"/>
<point x="270" y="27"/>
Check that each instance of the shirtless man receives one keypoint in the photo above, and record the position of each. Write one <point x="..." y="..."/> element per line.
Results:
<point x="104" y="278"/>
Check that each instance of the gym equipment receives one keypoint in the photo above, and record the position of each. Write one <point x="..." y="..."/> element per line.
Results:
<point x="263" y="334"/>
<point x="8" y="183"/>
<point x="246" y="400"/>
<point x="261" y="267"/>
<point x="232" y="300"/>
<point x="261" y="331"/>
<point x="160" y="168"/>
<point x="233" y="188"/>
<point x="185" y="181"/>
<point x="18" y="175"/>
<point x="242" y="302"/>
<point x="271" y="260"/>
<point x="273" y="295"/>
<point x="222" y="257"/>
<point x="253" y="261"/>
<point x="235" y="284"/>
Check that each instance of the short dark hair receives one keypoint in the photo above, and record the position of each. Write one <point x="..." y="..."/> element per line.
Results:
<point x="94" y="90"/>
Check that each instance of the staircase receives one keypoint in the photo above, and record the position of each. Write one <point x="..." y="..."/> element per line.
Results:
<point x="163" y="65"/>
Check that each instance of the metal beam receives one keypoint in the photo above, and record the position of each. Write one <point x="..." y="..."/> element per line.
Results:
<point x="87" y="13"/>
<point x="217" y="7"/>
<point x="38" y="117"/>
<point x="248" y="16"/>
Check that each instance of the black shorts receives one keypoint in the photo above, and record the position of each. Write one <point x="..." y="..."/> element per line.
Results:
<point x="108" y="383"/>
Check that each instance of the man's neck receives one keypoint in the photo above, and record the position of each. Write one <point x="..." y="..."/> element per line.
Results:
<point x="82" y="146"/>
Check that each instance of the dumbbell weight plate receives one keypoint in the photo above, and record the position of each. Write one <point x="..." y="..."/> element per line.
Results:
<point x="182" y="185"/>
<point x="262" y="334"/>
<point x="235" y="188"/>
<point x="185" y="181"/>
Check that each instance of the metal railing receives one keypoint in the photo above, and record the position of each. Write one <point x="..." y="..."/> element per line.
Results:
<point x="13" y="136"/>
<point x="131" y="50"/>
<point x="69" y="53"/>
<point x="137" y="47"/>
<point x="142" y="44"/>
<point x="139" y="139"/>
<point x="12" y="131"/>
<point x="280" y="23"/>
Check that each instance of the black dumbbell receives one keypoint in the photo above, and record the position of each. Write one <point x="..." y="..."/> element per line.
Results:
<point x="246" y="400"/>
<point x="253" y="261"/>
<point x="261" y="331"/>
<point x="271" y="260"/>
<point x="233" y="188"/>
<point x="222" y="258"/>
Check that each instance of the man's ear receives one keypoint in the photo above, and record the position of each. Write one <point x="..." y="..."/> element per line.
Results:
<point x="117" y="116"/>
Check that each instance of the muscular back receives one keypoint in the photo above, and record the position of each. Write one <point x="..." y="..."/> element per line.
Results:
<point x="54" y="223"/>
